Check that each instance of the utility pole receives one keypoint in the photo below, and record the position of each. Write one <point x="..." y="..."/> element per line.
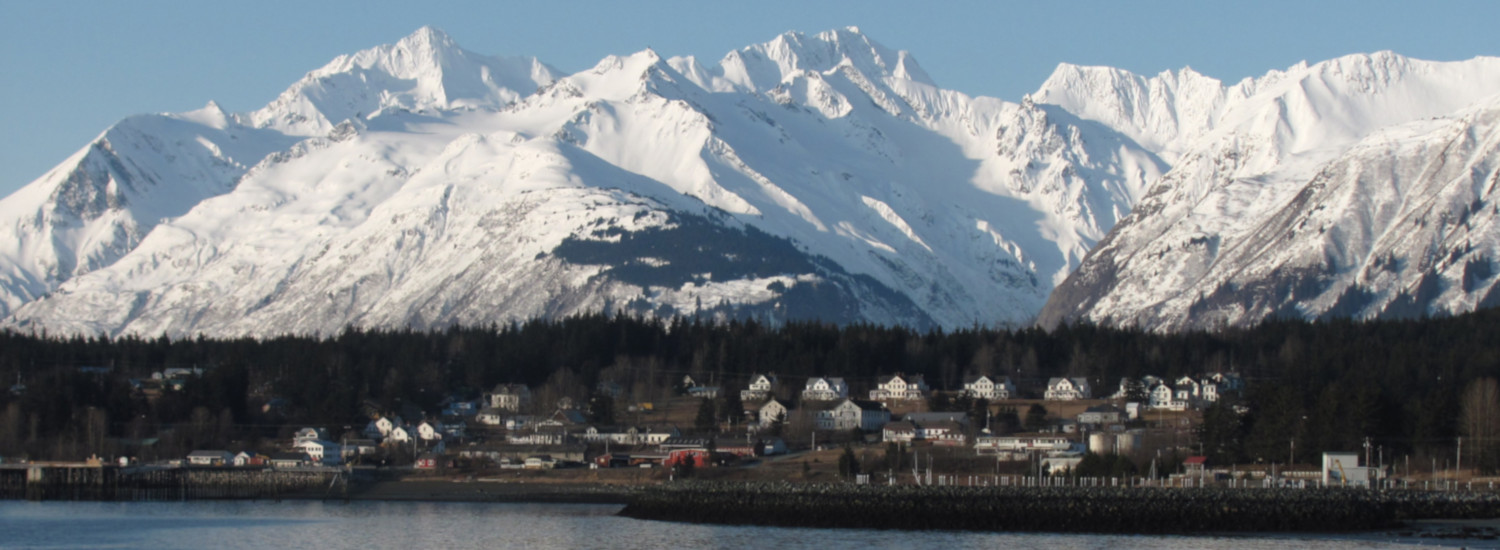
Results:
<point x="1459" y="465"/>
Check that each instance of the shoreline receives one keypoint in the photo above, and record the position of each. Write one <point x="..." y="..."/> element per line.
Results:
<point x="423" y="490"/>
<point x="1058" y="510"/>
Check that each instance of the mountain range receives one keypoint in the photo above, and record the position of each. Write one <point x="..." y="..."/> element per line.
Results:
<point x="824" y="176"/>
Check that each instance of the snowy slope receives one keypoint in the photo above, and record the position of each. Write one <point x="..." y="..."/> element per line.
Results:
<point x="813" y="176"/>
<point x="1212" y="245"/>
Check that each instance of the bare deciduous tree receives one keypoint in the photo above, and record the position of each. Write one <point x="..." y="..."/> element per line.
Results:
<point x="1479" y="421"/>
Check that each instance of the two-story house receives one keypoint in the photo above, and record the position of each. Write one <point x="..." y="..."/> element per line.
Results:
<point x="849" y="414"/>
<point x="760" y="389"/>
<point x="989" y="388"/>
<point x="1067" y="389"/>
<point x="1162" y="397"/>
<point x="768" y="412"/>
<point x="509" y="397"/>
<point x="899" y="388"/>
<point x="825" y="389"/>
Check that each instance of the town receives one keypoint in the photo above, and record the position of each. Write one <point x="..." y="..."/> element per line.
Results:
<point x="989" y="431"/>
<point x="622" y="401"/>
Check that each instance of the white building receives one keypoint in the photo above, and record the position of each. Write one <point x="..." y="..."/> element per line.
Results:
<point x="490" y="416"/>
<point x="430" y="431"/>
<point x="767" y="413"/>
<point x="761" y="387"/>
<point x="510" y="397"/>
<point x="1068" y="389"/>
<point x="210" y="458"/>
<point x="1163" y="398"/>
<point x="899" y="388"/>
<point x="849" y="414"/>
<point x="992" y="389"/>
<point x="1042" y="443"/>
<point x="825" y="389"/>
<point x="326" y="452"/>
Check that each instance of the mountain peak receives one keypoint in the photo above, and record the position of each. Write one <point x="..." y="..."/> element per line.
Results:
<point x="427" y="35"/>
<point x="762" y="66"/>
<point x="424" y="70"/>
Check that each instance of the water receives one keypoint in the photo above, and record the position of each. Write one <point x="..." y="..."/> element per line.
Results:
<point x="372" y="525"/>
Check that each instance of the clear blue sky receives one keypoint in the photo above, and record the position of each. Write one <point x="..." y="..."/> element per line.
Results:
<point x="68" y="69"/>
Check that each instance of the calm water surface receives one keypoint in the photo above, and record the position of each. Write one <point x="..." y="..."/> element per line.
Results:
<point x="372" y="525"/>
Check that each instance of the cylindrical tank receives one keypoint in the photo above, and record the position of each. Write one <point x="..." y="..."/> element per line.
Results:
<point x="1101" y="444"/>
<point x="1127" y="443"/>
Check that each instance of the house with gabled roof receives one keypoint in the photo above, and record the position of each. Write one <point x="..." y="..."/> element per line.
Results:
<point x="765" y="413"/>
<point x="825" y="389"/>
<point x="1162" y="397"/>
<point x="992" y="388"/>
<point x="899" y="387"/>
<point x="1067" y="389"/>
<point x="760" y="388"/>
<point x="510" y="397"/>
<point x="849" y="414"/>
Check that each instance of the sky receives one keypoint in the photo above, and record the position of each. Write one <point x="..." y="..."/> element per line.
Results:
<point x="70" y="68"/>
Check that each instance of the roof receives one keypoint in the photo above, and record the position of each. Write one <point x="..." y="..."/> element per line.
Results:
<point x="948" y="425"/>
<point x="686" y="442"/>
<point x="901" y="426"/>
<point x="1196" y="460"/>
<point x="867" y="405"/>
<point x="763" y="404"/>
<point x="288" y="456"/>
<point x="962" y="417"/>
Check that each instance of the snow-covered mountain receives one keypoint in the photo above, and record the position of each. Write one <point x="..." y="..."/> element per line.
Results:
<point x="1361" y="186"/>
<point x="821" y="176"/>
<point x="421" y="185"/>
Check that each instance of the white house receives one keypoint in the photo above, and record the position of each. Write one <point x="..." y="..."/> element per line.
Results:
<point x="326" y="452"/>
<point x="761" y="386"/>
<point x="825" y="389"/>
<point x="510" y="397"/>
<point x="1163" y="398"/>
<point x="247" y="458"/>
<point x="402" y="435"/>
<point x="430" y="431"/>
<point x="849" y="414"/>
<point x="1187" y="390"/>
<point x="490" y="416"/>
<point x="1067" y="389"/>
<point x="617" y="436"/>
<point x="767" y="413"/>
<point x="988" y="388"/>
<point x="899" y="388"/>
<point x="1208" y="391"/>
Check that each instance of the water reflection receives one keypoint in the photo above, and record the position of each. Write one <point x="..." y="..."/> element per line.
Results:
<point x="377" y="525"/>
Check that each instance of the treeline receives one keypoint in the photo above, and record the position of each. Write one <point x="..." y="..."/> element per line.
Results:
<point x="1323" y="385"/>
